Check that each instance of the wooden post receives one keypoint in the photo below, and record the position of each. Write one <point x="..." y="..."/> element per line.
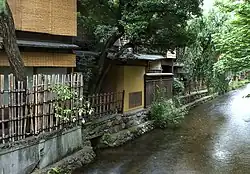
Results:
<point x="18" y="104"/>
<point x="32" y="108"/>
<point x="2" y="107"/>
<point x="123" y="95"/>
<point x="40" y="103"/>
<point x="95" y="102"/>
<point x="35" y="103"/>
<point x="45" y="100"/>
<point x="100" y="104"/>
<point x="75" y="94"/>
<point x="27" y="105"/>
<point x="80" y="93"/>
<point x="51" y="107"/>
<point x="11" y="109"/>
<point x="111" y="100"/>
<point x="22" y="109"/>
<point x="56" y="100"/>
<point x="107" y="103"/>
<point x="14" y="106"/>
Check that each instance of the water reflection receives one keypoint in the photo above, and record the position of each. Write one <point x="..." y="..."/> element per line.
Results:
<point x="213" y="139"/>
<point x="233" y="135"/>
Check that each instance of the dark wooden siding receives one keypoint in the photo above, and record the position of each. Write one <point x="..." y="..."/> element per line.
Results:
<point x="151" y="86"/>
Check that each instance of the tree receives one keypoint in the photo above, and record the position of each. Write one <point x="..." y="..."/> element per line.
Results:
<point x="234" y="41"/>
<point x="10" y="46"/>
<point x="149" y="26"/>
<point x="200" y="57"/>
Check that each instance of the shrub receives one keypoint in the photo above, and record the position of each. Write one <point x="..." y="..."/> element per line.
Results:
<point x="178" y="86"/>
<point x="238" y="84"/>
<point x="166" y="113"/>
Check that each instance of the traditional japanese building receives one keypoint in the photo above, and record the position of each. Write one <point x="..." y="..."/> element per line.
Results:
<point x="139" y="76"/>
<point x="45" y="30"/>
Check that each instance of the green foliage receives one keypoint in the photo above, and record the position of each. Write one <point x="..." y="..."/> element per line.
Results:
<point x="178" y="86"/>
<point x="234" y="41"/>
<point x="63" y="109"/>
<point x="220" y="83"/>
<point x="146" y="26"/>
<point x="54" y="171"/>
<point x="248" y="77"/>
<point x="166" y="113"/>
<point x="152" y="24"/>
<point x="238" y="84"/>
<point x="57" y="171"/>
<point x="200" y="57"/>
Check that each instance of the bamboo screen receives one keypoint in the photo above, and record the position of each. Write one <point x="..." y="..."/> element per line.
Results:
<point x="31" y="111"/>
<point x="40" y="59"/>
<point x="46" y="16"/>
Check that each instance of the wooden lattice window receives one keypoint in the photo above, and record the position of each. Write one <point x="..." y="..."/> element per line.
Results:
<point x="135" y="99"/>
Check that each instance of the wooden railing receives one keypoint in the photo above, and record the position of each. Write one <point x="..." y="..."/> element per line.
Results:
<point x="194" y="86"/>
<point x="26" y="112"/>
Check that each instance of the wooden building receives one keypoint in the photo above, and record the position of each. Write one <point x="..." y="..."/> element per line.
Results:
<point x="139" y="77"/>
<point x="45" y="31"/>
<point x="179" y="70"/>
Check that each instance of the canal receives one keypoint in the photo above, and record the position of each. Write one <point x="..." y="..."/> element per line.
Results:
<point x="214" y="138"/>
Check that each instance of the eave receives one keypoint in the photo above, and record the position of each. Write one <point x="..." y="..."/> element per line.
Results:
<point x="44" y="44"/>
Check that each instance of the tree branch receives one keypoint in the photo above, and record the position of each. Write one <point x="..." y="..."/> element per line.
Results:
<point x="107" y="5"/>
<point x="124" y="47"/>
<point x="100" y="75"/>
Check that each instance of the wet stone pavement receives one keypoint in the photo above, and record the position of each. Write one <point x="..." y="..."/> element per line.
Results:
<point x="213" y="139"/>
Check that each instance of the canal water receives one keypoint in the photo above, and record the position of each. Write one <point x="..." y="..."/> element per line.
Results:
<point x="213" y="139"/>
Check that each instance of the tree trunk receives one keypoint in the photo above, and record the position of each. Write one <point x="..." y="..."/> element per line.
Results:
<point x="101" y="72"/>
<point x="102" y="77"/>
<point x="8" y="34"/>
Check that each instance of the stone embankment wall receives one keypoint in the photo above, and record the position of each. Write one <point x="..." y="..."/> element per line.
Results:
<point x="70" y="149"/>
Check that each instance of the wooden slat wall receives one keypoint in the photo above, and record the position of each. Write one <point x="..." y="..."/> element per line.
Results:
<point x="63" y="20"/>
<point x="46" y="16"/>
<point x="35" y="17"/>
<point x="42" y="59"/>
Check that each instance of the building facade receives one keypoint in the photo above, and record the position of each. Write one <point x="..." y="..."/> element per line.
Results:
<point x="45" y="30"/>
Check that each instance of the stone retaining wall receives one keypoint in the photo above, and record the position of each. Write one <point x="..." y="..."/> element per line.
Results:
<point x="67" y="149"/>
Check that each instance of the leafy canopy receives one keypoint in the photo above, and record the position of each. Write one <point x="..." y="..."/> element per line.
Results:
<point x="199" y="57"/>
<point x="234" y="41"/>
<point x="154" y="24"/>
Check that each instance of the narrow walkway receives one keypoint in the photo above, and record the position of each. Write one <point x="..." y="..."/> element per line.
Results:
<point x="214" y="139"/>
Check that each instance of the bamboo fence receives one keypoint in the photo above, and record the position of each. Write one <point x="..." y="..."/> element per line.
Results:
<point x="31" y="111"/>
